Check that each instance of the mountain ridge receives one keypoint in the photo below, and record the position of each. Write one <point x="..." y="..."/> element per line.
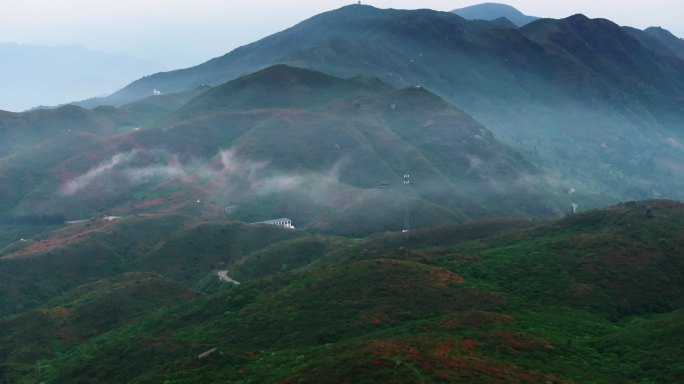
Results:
<point x="493" y="11"/>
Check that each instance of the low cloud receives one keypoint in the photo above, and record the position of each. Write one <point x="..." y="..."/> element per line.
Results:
<point x="83" y="181"/>
<point x="226" y="174"/>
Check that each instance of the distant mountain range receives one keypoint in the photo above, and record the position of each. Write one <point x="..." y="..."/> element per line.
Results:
<point x="597" y="103"/>
<point x="493" y="11"/>
<point x="33" y="75"/>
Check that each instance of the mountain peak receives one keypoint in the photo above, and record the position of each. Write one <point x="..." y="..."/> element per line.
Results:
<point x="661" y="32"/>
<point x="281" y="86"/>
<point x="493" y="11"/>
<point x="578" y="18"/>
<point x="670" y="44"/>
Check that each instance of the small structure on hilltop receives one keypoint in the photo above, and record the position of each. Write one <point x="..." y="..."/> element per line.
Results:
<point x="283" y="222"/>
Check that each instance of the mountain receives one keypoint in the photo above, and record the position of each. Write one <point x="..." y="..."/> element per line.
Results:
<point x="667" y="38"/>
<point x="356" y="22"/>
<point x="428" y="247"/>
<point x="35" y="75"/>
<point x="580" y="96"/>
<point x="327" y="152"/>
<point x="493" y="11"/>
<point x="497" y="301"/>
<point x="660" y="40"/>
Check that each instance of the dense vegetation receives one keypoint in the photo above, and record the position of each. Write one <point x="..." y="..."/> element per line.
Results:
<point x="595" y="297"/>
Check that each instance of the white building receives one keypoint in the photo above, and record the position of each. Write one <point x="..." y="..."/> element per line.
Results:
<point x="283" y="222"/>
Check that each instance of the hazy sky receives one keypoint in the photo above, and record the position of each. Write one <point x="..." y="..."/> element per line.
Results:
<point x="179" y="33"/>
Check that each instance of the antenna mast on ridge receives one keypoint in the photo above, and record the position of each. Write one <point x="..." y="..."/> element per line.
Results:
<point x="407" y="217"/>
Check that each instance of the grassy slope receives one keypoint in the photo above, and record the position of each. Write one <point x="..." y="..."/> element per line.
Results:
<point x="467" y="303"/>
<point x="179" y="248"/>
<point x="31" y="339"/>
<point x="619" y="260"/>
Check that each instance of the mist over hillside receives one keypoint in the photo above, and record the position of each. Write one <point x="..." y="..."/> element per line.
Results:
<point x="330" y="153"/>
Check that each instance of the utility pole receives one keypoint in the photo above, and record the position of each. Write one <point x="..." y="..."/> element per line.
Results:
<point x="407" y="216"/>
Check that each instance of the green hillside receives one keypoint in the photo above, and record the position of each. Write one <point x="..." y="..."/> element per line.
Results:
<point x="327" y="152"/>
<point x="29" y="129"/>
<point x="594" y="297"/>
<point x="178" y="247"/>
<point x="79" y="315"/>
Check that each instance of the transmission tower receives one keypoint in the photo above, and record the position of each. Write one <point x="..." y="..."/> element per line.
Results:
<point x="407" y="215"/>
